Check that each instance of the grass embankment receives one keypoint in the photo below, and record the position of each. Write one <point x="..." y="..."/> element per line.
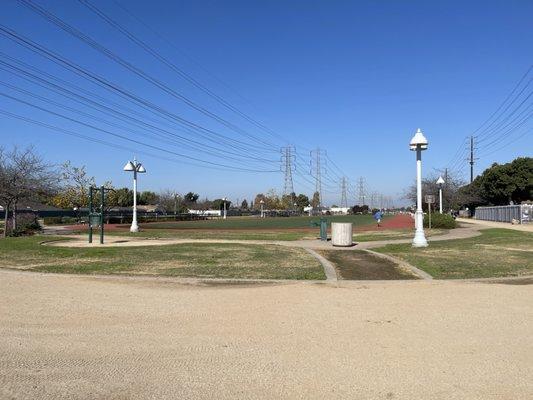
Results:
<point x="360" y="265"/>
<point x="496" y="253"/>
<point x="185" y="260"/>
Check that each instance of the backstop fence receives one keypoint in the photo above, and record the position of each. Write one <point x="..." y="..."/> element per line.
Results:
<point x="522" y="213"/>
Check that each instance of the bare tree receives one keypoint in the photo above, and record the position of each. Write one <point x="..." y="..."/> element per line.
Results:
<point x="452" y="197"/>
<point x="23" y="175"/>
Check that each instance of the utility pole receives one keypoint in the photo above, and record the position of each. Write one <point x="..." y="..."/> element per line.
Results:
<point x="471" y="159"/>
<point x="361" y="190"/>
<point x="287" y="165"/>
<point x="344" y="199"/>
<point x="317" y="158"/>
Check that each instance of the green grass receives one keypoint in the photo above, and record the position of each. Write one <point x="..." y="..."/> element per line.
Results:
<point x="496" y="253"/>
<point x="258" y="223"/>
<point x="201" y="260"/>
<point x="372" y="236"/>
<point x="215" y="234"/>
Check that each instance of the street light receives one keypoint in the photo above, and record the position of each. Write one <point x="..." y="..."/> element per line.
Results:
<point x="225" y="211"/>
<point x="310" y="209"/>
<point x="419" y="143"/>
<point x="440" y="182"/>
<point x="135" y="167"/>
<point x="262" y="202"/>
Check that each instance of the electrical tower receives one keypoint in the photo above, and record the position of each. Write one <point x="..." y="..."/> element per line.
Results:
<point x="318" y="161"/>
<point x="361" y="191"/>
<point x="287" y="165"/>
<point x="344" y="198"/>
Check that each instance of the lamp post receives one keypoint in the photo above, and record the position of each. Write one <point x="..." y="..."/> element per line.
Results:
<point x="440" y="182"/>
<point x="225" y="211"/>
<point x="419" y="143"/>
<point x="262" y="202"/>
<point x="310" y="209"/>
<point x="135" y="167"/>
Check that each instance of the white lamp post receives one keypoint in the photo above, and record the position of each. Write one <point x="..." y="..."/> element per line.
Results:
<point x="135" y="167"/>
<point x="225" y="211"/>
<point x="310" y="209"/>
<point x="419" y="143"/>
<point x="440" y="182"/>
<point x="262" y="202"/>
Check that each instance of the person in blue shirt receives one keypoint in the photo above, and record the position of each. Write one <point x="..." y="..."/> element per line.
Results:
<point x="378" y="216"/>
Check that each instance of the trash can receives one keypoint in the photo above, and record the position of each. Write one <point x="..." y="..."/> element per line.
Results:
<point x="341" y="234"/>
<point x="323" y="229"/>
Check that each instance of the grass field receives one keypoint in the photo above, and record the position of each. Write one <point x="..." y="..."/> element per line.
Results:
<point x="371" y="236"/>
<point x="496" y="253"/>
<point x="258" y="223"/>
<point x="184" y="260"/>
<point x="240" y="228"/>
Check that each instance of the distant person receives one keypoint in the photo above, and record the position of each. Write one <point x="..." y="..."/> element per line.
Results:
<point x="378" y="216"/>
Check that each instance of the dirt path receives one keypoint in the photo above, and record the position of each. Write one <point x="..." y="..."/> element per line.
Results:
<point x="71" y="337"/>
<point x="492" y="224"/>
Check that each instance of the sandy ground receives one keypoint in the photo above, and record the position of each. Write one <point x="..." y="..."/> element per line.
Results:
<point x="72" y="337"/>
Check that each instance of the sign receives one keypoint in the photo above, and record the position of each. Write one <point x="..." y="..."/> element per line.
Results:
<point x="429" y="198"/>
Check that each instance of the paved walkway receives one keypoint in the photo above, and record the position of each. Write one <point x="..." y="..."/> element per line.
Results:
<point x="492" y="224"/>
<point x="73" y="337"/>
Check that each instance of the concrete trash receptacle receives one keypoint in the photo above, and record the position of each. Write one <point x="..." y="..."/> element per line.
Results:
<point x="341" y="234"/>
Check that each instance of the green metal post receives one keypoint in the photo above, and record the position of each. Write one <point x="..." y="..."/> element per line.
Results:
<point x="102" y="199"/>
<point x="90" y="213"/>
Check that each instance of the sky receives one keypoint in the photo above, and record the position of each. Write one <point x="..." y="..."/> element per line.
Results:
<point x="353" y="78"/>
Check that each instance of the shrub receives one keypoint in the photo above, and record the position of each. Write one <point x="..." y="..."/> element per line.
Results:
<point x="443" y="221"/>
<point x="27" y="224"/>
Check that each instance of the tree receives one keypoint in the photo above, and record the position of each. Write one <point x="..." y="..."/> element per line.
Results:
<point x="257" y="201"/>
<point x="191" y="198"/>
<point x="122" y="197"/>
<point x="502" y="183"/>
<point x="23" y="174"/>
<point x="218" y="204"/>
<point x="302" y="201"/>
<point x="147" y="197"/>
<point x="244" y="205"/>
<point x="315" y="202"/>
<point x="452" y="196"/>
<point x="75" y="190"/>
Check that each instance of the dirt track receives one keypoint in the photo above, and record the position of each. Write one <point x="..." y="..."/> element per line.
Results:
<point x="71" y="337"/>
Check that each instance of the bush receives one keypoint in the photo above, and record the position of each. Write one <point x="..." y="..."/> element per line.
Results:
<point x="27" y="224"/>
<point x="60" y="220"/>
<point x="443" y="221"/>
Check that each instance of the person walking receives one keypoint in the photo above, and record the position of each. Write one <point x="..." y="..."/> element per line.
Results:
<point x="378" y="216"/>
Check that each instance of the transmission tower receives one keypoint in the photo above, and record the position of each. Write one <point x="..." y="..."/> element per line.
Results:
<point x="287" y="165"/>
<point x="318" y="160"/>
<point x="344" y="198"/>
<point x="361" y="190"/>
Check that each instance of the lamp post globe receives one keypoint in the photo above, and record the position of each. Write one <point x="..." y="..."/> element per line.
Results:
<point x="225" y="210"/>
<point x="418" y="144"/>
<point x="440" y="182"/>
<point x="137" y="168"/>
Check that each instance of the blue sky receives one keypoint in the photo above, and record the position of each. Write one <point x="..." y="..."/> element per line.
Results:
<point x="354" y="78"/>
